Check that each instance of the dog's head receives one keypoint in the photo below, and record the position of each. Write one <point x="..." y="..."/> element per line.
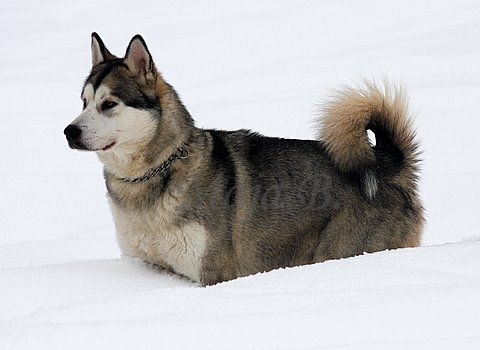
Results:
<point x="120" y="103"/>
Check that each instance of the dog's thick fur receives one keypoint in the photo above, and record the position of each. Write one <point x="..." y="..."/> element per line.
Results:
<point x="242" y="203"/>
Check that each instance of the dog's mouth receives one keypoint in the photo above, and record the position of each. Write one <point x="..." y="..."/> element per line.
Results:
<point x="81" y="147"/>
<point x="77" y="145"/>
<point x="106" y="148"/>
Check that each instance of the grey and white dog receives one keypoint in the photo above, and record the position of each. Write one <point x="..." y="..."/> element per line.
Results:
<point x="215" y="205"/>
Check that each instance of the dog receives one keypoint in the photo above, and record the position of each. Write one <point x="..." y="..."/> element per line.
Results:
<point x="216" y="205"/>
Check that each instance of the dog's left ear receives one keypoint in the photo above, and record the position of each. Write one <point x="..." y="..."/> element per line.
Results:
<point x="139" y="60"/>
<point x="100" y="52"/>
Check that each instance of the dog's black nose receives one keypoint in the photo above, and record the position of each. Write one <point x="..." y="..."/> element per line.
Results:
<point x="72" y="132"/>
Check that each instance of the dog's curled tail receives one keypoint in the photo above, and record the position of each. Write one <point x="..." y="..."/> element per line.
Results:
<point x="344" y="123"/>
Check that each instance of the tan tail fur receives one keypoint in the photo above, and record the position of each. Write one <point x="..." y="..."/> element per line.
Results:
<point x="383" y="110"/>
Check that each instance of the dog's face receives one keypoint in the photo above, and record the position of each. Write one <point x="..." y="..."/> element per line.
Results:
<point x="120" y="105"/>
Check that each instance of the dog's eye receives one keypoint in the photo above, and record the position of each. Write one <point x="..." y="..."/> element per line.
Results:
<point x="108" y="105"/>
<point x="84" y="103"/>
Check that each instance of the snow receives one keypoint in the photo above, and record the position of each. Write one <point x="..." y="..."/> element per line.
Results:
<point x="412" y="298"/>
<point x="259" y="65"/>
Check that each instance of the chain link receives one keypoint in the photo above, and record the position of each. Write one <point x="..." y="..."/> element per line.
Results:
<point x="180" y="153"/>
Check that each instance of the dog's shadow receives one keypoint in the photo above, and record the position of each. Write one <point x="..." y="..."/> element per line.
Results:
<point x="159" y="269"/>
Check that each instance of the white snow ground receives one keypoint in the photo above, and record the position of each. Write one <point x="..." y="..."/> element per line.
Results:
<point x="249" y="64"/>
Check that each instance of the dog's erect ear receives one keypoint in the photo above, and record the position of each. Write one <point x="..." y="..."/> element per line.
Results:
<point x="99" y="52"/>
<point x="139" y="60"/>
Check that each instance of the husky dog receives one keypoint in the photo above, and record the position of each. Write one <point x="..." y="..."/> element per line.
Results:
<point x="215" y="205"/>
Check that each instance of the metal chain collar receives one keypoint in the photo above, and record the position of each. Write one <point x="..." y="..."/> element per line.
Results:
<point x="180" y="153"/>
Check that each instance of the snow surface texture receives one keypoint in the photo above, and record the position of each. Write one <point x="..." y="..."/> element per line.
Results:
<point x="261" y="65"/>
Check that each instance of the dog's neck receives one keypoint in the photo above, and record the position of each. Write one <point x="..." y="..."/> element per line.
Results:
<point x="124" y="162"/>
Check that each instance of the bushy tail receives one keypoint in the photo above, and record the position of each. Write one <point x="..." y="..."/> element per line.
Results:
<point x="383" y="110"/>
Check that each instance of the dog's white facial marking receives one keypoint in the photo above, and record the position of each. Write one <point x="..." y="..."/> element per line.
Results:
<point x="119" y="129"/>
<point x="88" y="93"/>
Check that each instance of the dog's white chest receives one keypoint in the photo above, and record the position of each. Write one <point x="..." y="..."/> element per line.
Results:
<point x="151" y="237"/>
